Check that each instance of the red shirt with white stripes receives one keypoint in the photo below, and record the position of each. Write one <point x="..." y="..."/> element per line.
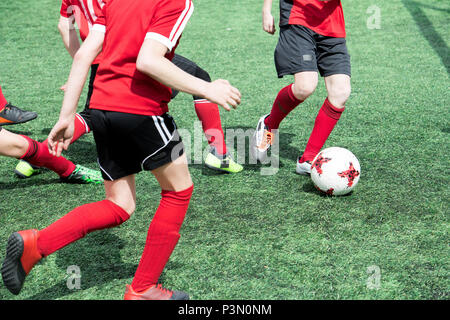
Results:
<point x="85" y="12"/>
<point x="118" y="85"/>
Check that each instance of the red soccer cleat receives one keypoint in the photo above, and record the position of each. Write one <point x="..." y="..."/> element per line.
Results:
<point x="21" y="255"/>
<point x="156" y="292"/>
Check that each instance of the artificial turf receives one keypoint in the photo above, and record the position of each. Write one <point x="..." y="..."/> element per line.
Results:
<point x="253" y="236"/>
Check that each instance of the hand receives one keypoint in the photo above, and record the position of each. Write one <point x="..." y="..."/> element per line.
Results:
<point x="60" y="137"/>
<point x="268" y="23"/>
<point x="64" y="87"/>
<point x="223" y="93"/>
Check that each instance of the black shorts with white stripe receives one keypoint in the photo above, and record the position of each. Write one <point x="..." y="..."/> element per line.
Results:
<point x="129" y="143"/>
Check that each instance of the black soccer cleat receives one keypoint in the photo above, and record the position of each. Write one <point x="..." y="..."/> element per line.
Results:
<point x="13" y="115"/>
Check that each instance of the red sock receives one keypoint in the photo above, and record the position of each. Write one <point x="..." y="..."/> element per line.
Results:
<point x="80" y="128"/>
<point x="325" y="121"/>
<point x="3" y="101"/>
<point x="284" y="103"/>
<point x="162" y="237"/>
<point x="79" y="222"/>
<point x="209" y="115"/>
<point x="38" y="155"/>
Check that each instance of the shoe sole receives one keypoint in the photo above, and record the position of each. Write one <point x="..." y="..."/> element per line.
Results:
<point x="21" y="175"/>
<point x="12" y="271"/>
<point x="179" y="295"/>
<point x="216" y="169"/>
<point x="17" y="122"/>
<point x="302" y="172"/>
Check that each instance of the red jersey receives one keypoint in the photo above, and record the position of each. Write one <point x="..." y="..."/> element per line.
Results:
<point x="118" y="85"/>
<point x="85" y="12"/>
<point x="324" y="17"/>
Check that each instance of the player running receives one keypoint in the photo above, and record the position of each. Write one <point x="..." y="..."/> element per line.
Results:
<point x="84" y="13"/>
<point x="133" y="131"/>
<point x="10" y="114"/>
<point x="312" y="40"/>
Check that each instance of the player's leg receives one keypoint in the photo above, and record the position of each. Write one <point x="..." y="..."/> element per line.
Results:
<point x="334" y="65"/>
<point x="163" y="233"/>
<point x="161" y="151"/>
<point x="23" y="147"/>
<point x="10" y="114"/>
<point x="38" y="155"/>
<point x="208" y="114"/>
<point x="294" y="55"/>
<point x="25" y="248"/>
<point x="11" y="144"/>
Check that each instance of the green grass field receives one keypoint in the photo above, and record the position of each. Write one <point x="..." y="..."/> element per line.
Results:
<point x="248" y="236"/>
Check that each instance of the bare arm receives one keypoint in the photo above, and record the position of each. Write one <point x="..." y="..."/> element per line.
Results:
<point x="69" y="35"/>
<point x="267" y="19"/>
<point x="61" y="134"/>
<point x="152" y="62"/>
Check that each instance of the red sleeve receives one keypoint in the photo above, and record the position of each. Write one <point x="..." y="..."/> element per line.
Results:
<point x="169" y="21"/>
<point x="100" y="22"/>
<point x="66" y="9"/>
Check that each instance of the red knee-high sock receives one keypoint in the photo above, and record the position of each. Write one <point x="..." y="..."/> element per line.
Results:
<point x="208" y="113"/>
<point x="79" y="222"/>
<point x="38" y="155"/>
<point x="284" y="103"/>
<point x="80" y="129"/>
<point x="3" y="101"/>
<point x="162" y="237"/>
<point x="326" y="119"/>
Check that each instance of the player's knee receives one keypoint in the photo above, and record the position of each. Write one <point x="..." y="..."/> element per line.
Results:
<point x="338" y="95"/>
<point x="128" y="205"/>
<point x="303" y="90"/>
<point x="202" y="74"/>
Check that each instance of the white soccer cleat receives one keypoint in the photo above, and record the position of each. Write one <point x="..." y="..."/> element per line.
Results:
<point x="262" y="140"/>
<point x="303" y="168"/>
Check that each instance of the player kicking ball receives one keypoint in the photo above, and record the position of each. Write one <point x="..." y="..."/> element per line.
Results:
<point x="84" y="13"/>
<point x="133" y="132"/>
<point x="312" y="40"/>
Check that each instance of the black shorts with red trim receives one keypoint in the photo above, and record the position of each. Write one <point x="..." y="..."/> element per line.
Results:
<point x="129" y="143"/>
<point x="300" y="49"/>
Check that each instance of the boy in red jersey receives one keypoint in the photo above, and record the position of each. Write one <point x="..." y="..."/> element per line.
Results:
<point x="84" y="13"/>
<point x="132" y="131"/>
<point x="312" y="40"/>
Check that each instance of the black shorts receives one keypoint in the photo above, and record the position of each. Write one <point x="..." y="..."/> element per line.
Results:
<point x="301" y="49"/>
<point x="129" y="143"/>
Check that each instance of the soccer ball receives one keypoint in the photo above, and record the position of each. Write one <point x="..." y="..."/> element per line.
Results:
<point x="335" y="171"/>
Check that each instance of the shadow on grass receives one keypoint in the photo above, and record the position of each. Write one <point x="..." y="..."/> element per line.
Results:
<point x="99" y="260"/>
<point x="309" y="187"/>
<point x="428" y="31"/>
<point x="23" y="184"/>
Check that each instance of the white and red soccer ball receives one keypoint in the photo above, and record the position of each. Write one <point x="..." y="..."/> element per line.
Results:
<point x="335" y="171"/>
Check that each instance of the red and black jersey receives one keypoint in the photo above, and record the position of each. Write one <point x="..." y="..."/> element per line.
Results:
<point x="118" y="85"/>
<point x="324" y="17"/>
